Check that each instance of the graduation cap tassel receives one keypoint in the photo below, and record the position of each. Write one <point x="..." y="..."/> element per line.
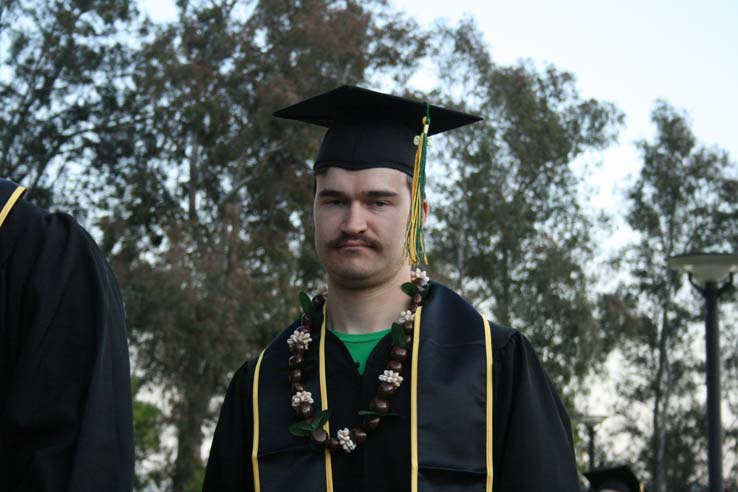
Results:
<point x="414" y="246"/>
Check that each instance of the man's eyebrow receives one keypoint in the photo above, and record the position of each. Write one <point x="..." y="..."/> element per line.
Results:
<point x="380" y="193"/>
<point x="330" y="193"/>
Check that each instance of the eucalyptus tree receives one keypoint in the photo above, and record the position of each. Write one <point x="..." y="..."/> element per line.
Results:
<point x="512" y="232"/>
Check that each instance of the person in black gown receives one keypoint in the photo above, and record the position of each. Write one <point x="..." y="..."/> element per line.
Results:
<point x="445" y="401"/>
<point x="65" y="399"/>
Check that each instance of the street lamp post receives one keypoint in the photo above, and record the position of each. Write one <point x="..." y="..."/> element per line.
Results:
<point x="706" y="272"/>
<point x="590" y="422"/>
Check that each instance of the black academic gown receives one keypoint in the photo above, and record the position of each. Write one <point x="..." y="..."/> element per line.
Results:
<point x="65" y="401"/>
<point x="532" y="436"/>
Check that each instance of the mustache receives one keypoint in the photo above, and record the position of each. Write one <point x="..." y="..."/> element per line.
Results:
<point x="343" y="239"/>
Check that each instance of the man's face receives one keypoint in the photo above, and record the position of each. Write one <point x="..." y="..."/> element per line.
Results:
<point x="360" y="219"/>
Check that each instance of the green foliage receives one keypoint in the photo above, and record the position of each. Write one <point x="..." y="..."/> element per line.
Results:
<point x="147" y="428"/>
<point x="306" y="304"/>
<point x="410" y="289"/>
<point x="511" y="233"/>
<point x="301" y="429"/>
<point x="195" y="484"/>
<point x="304" y="428"/>
<point x="147" y="424"/>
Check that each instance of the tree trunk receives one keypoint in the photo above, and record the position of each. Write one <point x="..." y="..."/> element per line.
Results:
<point x="191" y="415"/>
<point x="661" y="406"/>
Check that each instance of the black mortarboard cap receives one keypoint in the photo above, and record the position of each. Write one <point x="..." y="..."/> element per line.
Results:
<point x="618" y="478"/>
<point x="369" y="129"/>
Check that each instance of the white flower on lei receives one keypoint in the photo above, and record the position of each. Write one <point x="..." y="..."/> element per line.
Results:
<point x="301" y="397"/>
<point x="300" y="339"/>
<point x="419" y="276"/>
<point x="406" y="316"/>
<point x="391" y="377"/>
<point x="344" y="437"/>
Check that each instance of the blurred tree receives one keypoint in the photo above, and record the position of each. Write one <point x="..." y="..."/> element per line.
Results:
<point x="210" y="227"/>
<point x="682" y="201"/>
<point x="511" y="231"/>
<point x="62" y="63"/>
<point x="147" y="428"/>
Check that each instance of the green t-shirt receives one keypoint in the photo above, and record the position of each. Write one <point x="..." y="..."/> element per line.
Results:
<point x="360" y="345"/>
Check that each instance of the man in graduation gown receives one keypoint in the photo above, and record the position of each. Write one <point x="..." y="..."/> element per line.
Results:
<point x="65" y="401"/>
<point x="393" y="383"/>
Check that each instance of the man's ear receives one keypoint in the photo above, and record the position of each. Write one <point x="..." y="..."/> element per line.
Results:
<point x="425" y="211"/>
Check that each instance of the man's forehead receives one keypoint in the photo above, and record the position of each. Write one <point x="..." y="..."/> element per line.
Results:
<point x="361" y="180"/>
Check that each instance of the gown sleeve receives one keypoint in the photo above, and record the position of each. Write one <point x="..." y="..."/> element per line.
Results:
<point x="65" y="400"/>
<point x="229" y="464"/>
<point x="533" y="447"/>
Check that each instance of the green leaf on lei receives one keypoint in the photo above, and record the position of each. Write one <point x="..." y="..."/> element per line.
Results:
<point x="410" y="289"/>
<point x="306" y="304"/>
<point x="398" y="335"/>
<point x="301" y="429"/>
<point x="321" y="419"/>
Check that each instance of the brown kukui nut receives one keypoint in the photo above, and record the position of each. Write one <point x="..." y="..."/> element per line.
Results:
<point x="371" y="423"/>
<point x="319" y="437"/>
<point x="386" y="390"/>
<point x="393" y="365"/>
<point x="306" y="321"/>
<point x="398" y="353"/>
<point x="358" y="435"/>
<point x="295" y="376"/>
<point x="295" y="360"/>
<point x="408" y="340"/>
<point x="418" y="299"/>
<point x="305" y="411"/>
<point x="297" y="386"/>
<point x="297" y="349"/>
<point x="318" y="301"/>
<point x="409" y="328"/>
<point x="333" y="444"/>
<point x="380" y="405"/>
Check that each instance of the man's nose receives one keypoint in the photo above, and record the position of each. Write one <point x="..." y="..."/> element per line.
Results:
<point x="355" y="222"/>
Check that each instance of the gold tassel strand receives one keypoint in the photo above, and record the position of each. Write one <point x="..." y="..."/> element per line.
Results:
<point x="414" y="244"/>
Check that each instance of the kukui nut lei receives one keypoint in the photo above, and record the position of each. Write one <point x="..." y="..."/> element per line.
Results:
<point x="389" y="381"/>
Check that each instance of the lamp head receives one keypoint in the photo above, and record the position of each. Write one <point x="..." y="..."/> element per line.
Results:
<point x="706" y="267"/>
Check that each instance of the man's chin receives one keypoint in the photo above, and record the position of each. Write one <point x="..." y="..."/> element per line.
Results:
<point x="351" y="273"/>
<point x="353" y="276"/>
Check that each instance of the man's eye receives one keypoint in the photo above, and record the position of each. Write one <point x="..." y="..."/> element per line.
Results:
<point x="380" y="204"/>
